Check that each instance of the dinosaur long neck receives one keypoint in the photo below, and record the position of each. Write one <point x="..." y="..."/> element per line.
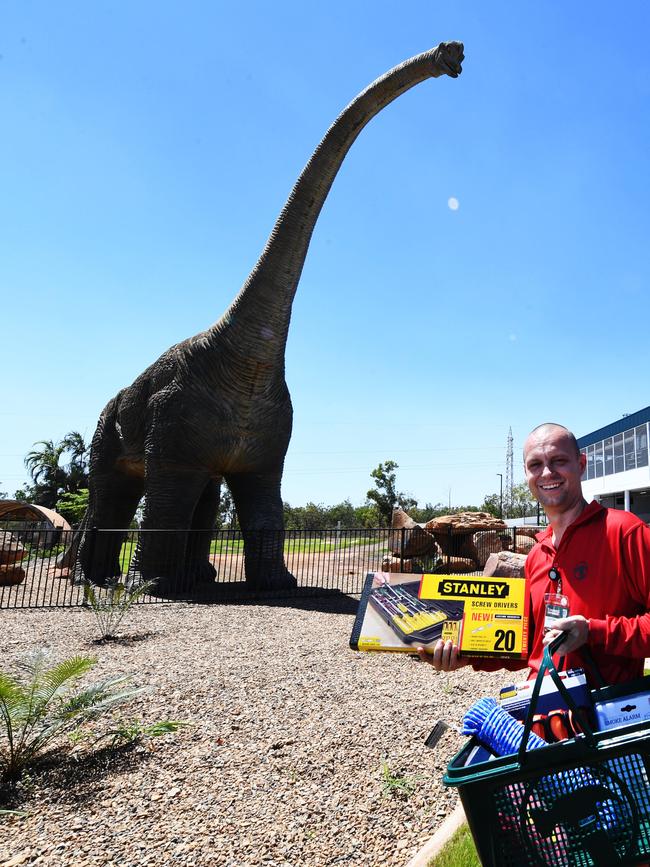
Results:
<point x="259" y="316"/>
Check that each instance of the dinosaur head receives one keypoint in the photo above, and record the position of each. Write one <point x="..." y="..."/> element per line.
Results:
<point x="448" y="57"/>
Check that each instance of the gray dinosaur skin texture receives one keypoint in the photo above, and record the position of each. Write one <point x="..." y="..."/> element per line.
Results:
<point x="217" y="406"/>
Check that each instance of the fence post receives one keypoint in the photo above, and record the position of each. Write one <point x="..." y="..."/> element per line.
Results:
<point x="260" y="559"/>
<point x="401" y="549"/>
<point x="91" y="552"/>
<point x="449" y="538"/>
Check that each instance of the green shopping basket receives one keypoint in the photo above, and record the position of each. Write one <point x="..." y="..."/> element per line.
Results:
<point x="576" y="803"/>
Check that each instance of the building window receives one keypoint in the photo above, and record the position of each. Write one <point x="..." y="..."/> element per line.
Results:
<point x="609" y="456"/>
<point x="591" y="473"/>
<point x="619" y="461"/>
<point x="598" y="458"/>
<point x="630" y="459"/>
<point x="641" y="436"/>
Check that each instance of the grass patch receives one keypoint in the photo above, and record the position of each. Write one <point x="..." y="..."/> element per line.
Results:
<point x="395" y="784"/>
<point x="310" y="545"/>
<point x="459" y="851"/>
<point x="295" y="546"/>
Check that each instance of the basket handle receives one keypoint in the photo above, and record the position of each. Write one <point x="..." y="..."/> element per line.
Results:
<point x="549" y="665"/>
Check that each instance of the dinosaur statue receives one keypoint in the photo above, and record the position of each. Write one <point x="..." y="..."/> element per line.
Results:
<point x="216" y="406"/>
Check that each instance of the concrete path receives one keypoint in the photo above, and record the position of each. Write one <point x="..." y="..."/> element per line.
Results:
<point x="440" y="839"/>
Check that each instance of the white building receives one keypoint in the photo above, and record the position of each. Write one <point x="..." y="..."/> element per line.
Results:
<point x="617" y="472"/>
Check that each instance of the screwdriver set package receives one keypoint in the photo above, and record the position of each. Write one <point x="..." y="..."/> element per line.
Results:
<point x="484" y="616"/>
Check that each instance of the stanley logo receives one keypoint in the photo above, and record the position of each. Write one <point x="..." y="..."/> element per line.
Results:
<point x="481" y="589"/>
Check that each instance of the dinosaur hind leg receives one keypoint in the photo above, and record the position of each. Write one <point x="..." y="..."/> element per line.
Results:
<point x="197" y="554"/>
<point x="171" y="498"/>
<point x="259" y="508"/>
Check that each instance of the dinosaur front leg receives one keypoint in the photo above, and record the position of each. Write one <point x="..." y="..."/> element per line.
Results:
<point x="114" y="497"/>
<point x="259" y="508"/>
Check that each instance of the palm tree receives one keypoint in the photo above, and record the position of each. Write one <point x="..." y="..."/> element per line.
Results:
<point x="51" y="477"/>
<point x="77" y="469"/>
<point x="48" y="476"/>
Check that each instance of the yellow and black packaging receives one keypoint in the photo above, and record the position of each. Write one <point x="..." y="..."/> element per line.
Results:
<point x="484" y="616"/>
<point x="494" y="621"/>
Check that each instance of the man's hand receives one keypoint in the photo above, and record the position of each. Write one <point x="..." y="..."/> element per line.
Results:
<point x="444" y="657"/>
<point x="576" y="629"/>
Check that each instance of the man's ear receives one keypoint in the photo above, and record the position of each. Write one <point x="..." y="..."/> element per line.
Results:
<point x="583" y="461"/>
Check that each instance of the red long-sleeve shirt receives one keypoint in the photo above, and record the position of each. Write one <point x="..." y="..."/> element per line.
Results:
<point x="604" y="564"/>
<point x="603" y="561"/>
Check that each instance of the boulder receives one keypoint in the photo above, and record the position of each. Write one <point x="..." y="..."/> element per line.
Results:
<point x="505" y="564"/>
<point x="410" y="539"/>
<point x="11" y="551"/>
<point x="528" y="531"/>
<point x="486" y="542"/>
<point x="10" y="575"/>
<point x="395" y="564"/>
<point x="464" y="522"/>
<point x="455" y="533"/>
<point x="455" y="566"/>
<point x="523" y="544"/>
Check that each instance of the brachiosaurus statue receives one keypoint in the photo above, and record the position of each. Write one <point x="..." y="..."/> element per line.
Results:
<point x="217" y="406"/>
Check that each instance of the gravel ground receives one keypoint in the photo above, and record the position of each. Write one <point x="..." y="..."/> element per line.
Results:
<point x="282" y="763"/>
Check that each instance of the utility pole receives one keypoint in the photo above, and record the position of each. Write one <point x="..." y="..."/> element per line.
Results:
<point x="509" y="472"/>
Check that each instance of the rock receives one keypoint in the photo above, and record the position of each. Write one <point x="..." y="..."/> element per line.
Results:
<point x="455" y="533"/>
<point x="10" y="575"/>
<point x="464" y="522"/>
<point x="528" y="531"/>
<point x="486" y="542"/>
<point x="455" y="566"/>
<point x="505" y="564"/>
<point x="11" y="551"/>
<point x="411" y="539"/>
<point x="523" y="544"/>
<point x="395" y="564"/>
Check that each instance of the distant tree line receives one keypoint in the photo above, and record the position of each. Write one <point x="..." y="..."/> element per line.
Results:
<point x="59" y="473"/>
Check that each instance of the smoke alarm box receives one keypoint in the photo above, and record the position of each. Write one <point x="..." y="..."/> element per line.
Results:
<point x="622" y="704"/>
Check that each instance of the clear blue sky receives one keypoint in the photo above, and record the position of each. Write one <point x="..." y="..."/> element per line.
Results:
<point x="146" y="149"/>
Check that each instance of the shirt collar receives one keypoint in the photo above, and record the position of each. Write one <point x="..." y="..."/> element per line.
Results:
<point x="590" y="511"/>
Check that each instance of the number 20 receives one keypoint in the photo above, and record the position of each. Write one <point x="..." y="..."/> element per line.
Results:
<point x="505" y="639"/>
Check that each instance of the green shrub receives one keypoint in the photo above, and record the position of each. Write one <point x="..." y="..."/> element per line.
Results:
<point x="133" y="731"/>
<point x="395" y="784"/>
<point x="44" y="703"/>
<point x="110" y="604"/>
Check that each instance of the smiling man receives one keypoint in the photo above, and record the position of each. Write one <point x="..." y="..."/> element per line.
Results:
<point x="589" y="574"/>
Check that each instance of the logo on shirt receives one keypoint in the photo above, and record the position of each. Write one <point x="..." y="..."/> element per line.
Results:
<point x="580" y="571"/>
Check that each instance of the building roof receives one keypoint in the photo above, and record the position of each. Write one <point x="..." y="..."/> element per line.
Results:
<point x="15" y="510"/>
<point x="616" y="427"/>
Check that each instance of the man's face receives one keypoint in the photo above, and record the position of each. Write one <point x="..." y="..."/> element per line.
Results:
<point x="553" y="469"/>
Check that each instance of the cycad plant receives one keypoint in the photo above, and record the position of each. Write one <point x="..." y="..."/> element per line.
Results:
<point x="110" y="604"/>
<point x="44" y="701"/>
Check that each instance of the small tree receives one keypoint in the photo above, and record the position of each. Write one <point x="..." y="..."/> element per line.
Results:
<point x="385" y="494"/>
<point x="521" y="505"/>
<point x="227" y="514"/>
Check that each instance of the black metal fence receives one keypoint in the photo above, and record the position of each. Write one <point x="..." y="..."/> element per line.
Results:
<point x="42" y="568"/>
